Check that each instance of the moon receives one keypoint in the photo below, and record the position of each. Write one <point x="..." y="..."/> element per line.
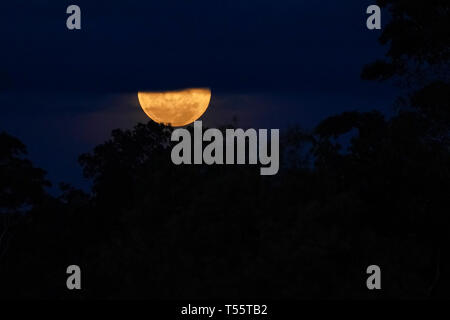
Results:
<point x="177" y="108"/>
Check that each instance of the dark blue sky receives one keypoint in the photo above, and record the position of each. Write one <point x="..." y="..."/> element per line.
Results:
<point x="270" y="63"/>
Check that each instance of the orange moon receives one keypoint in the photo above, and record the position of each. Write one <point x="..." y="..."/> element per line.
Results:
<point x="177" y="108"/>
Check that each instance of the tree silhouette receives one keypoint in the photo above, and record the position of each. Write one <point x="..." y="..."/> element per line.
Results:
<point x="22" y="188"/>
<point x="21" y="184"/>
<point x="418" y="36"/>
<point x="361" y="188"/>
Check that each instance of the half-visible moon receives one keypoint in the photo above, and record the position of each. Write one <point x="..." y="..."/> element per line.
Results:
<point x="177" y="108"/>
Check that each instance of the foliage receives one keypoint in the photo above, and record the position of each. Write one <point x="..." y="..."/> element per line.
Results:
<point x="360" y="189"/>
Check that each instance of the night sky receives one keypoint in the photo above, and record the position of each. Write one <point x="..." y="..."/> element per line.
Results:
<point x="271" y="64"/>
